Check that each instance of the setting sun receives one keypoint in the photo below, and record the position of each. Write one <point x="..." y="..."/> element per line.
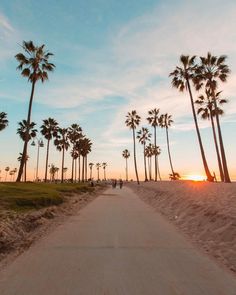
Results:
<point x="194" y="177"/>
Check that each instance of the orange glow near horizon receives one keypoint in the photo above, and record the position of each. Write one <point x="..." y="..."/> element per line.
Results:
<point x="194" y="177"/>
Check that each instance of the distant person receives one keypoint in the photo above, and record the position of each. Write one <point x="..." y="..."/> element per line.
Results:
<point x="121" y="183"/>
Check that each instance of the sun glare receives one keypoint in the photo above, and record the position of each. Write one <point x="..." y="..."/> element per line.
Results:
<point x="195" y="177"/>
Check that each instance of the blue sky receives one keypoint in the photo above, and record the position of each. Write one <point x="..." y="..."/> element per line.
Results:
<point x="112" y="57"/>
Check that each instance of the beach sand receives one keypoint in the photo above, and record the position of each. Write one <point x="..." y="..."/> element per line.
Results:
<point x="205" y="212"/>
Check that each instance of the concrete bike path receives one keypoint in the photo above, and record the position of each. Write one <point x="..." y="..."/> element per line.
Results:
<point x="117" y="245"/>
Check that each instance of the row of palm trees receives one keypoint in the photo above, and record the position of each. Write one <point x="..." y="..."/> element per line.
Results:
<point x="62" y="138"/>
<point x="144" y="136"/>
<point x="203" y="73"/>
<point x="98" y="166"/>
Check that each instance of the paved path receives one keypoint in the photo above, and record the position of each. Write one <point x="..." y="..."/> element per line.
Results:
<point x="116" y="245"/>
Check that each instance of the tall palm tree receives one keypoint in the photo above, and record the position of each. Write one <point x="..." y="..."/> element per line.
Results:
<point x="182" y="75"/>
<point x="74" y="155"/>
<point x="91" y="169"/>
<point x="98" y="166"/>
<point x="75" y="133"/>
<point x="3" y="121"/>
<point x="132" y="121"/>
<point x="104" y="165"/>
<point x="26" y="133"/>
<point x="153" y="120"/>
<point x="143" y="135"/>
<point x="207" y="112"/>
<point x="156" y="151"/>
<point x="213" y="70"/>
<point x="48" y="130"/>
<point x="165" y="122"/>
<point x="148" y="155"/>
<point x="86" y="145"/>
<point x="126" y="155"/>
<point x="35" y="66"/>
<point x="62" y="144"/>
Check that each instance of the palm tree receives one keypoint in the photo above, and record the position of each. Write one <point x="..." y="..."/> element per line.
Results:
<point x="132" y="121"/>
<point x="153" y="120"/>
<point x="3" y="121"/>
<point x="74" y="155"/>
<point x="34" y="66"/>
<point x="86" y="145"/>
<point x="91" y="169"/>
<point x="148" y="155"/>
<point x="98" y="165"/>
<point x="143" y="135"/>
<point x="62" y="144"/>
<point x="182" y="75"/>
<point x="26" y="133"/>
<point x="156" y="151"/>
<point x="75" y="133"/>
<point x="165" y="122"/>
<point x="53" y="170"/>
<point x="104" y="165"/>
<point x="7" y="170"/>
<point x="207" y="112"/>
<point x="48" y="130"/>
<point x="213" y="70"/>
<point x="126" y="155"/>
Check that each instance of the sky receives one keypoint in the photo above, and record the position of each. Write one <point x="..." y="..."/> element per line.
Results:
<point x="112" y="57"/>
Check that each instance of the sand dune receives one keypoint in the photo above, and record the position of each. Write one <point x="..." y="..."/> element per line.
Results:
<point x="206" y="212"/>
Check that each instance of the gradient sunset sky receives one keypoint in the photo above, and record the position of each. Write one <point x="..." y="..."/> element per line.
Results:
<point x="111" y="57"/>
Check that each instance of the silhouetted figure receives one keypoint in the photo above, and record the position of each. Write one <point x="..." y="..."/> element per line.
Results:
<point x="121" y="183"/>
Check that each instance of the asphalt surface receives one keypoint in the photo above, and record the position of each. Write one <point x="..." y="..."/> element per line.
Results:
<point x="116" y="245"/>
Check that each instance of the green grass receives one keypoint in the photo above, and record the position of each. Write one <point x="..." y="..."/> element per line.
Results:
<point x="28" y="196"/>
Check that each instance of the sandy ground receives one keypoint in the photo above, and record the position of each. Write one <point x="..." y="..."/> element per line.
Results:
<point x="19" y="231"/>
<point x="206" y="212"/>
<point x="116" y="245"/>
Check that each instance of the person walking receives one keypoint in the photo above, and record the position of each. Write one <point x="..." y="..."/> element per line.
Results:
<point x="121" y="183"/>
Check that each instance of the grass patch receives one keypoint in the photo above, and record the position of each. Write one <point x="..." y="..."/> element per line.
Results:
<point x="28" y="196"/>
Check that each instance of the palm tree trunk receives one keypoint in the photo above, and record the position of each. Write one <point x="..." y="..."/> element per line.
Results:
<point x="79" y="167"/>
<point x="158" y="169"/>
<point x="75" y="170"/>
<point x="155" y="144"/>
<point x="217" y="148"/>
<point x="90" y="173"/>
<point x="145" y="164"/>
<point x="98" y="173"/>
<point x="168" y="146"/>
<point x="25" y="171"/>
<point x="126" y="161"/>
<point x="135" y="162"/>
<point x="62" y="165"/>
<point x="24" y="154"/>
<point x="86" y="166"/>
<point x="46" y="168"/>
<point x="149" y="168"/>
<point x="82" y="169"/>
<point x="207" y="171"/>
<point x="223" y="157"/>
<point x="72" y="170"/>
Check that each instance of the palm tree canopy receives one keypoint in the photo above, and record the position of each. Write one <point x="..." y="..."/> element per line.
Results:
<point x="23" y="130"/>
<point x="165" y="120"/>
<point x="3" y="121"/>
<point x="91" y="165"/>
<point x="206" y="104"/>
<point x="85" y="146"/>
<point x="62" y="141"/>
<point x="133" y="119"/>
<point x="75" y="133"/>
<point x="126" y="154"/>
<point x="98" y="165"/>
<point x="49" y="128"/>
<point x="143" y="135"/>
<point x="104" y="165"/>
<point x="211" y="70"/>
<point x="184" y="72"/>
<point x="153" y="118"/>
<point x="34" y="64"/>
